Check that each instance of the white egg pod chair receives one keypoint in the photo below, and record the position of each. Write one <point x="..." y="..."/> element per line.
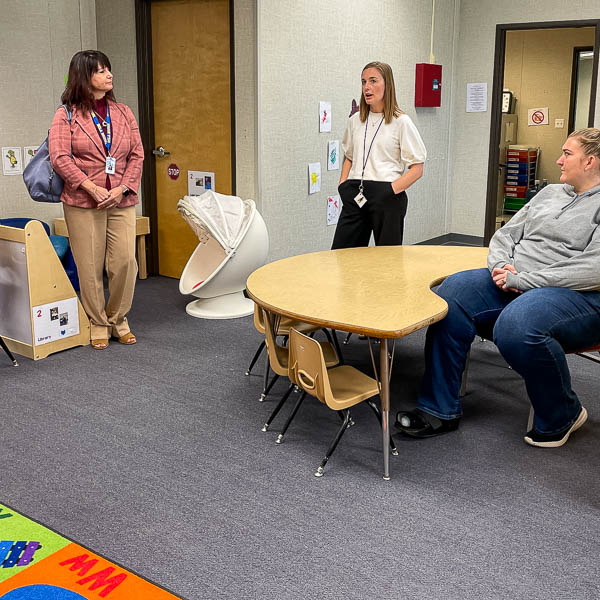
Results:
<point x="233" y="242"/>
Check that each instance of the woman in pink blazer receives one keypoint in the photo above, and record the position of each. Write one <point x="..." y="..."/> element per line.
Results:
<point x="99" y="155"/>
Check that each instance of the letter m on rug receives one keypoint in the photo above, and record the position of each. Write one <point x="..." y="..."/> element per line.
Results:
<point x="101" y="579"/>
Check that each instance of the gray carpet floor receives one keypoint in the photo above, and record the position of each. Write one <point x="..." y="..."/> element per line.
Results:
<point x="152" y="455"/>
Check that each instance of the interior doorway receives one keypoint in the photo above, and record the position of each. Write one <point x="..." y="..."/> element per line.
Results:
<point x="186" y="92"/>
<point x="533" y="76"/>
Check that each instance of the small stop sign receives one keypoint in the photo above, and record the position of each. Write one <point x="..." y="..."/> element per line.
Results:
<point x="173" y="171"/>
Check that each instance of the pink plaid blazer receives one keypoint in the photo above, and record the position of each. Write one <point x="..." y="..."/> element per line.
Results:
<point x="88" y="159"/>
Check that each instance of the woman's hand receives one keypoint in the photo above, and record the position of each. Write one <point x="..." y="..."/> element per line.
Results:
<point x="98" y="193"/>
<point x="499" y="276"/>
<point x="114" y="198"/>
<point x="397" y="186"/>
<point x="409" y="176"/>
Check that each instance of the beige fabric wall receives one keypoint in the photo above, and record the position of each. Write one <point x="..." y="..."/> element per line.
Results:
<point x="309" y="51"/>
<point x="538" y="71"/>
<point x="115" y="26"/>
<point x="475" y="63"/>
<point x="246" y="117"/>
<point x="37" y="41"/>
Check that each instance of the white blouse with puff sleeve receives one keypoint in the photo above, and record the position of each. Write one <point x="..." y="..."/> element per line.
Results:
<point x="396" y="146"/>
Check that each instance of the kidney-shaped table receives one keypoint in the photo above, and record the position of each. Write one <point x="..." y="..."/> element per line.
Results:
<point x="382" y="292"/>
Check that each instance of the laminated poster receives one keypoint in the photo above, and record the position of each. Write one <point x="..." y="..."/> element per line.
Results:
<point x="56" y="320"/>
<point x="199" y="182"/>
<point x="28" y="153"/>
<point x="11" y="161"/>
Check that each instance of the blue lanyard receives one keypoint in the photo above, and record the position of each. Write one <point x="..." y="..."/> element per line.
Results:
<point x="107" y="139"/>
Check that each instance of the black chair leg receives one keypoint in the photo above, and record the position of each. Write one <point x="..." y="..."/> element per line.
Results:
<point x="255" y="358"/>
<point x="351" y="422"/>
<point x="347" y="338"/>
<point x="268" y="387"/>
<point x="338" y="436"/>
<point x="377" y="412"/>
<point x="278" y="407"/>
<point x="8" y="352"/>
<point x="279" y="439"/>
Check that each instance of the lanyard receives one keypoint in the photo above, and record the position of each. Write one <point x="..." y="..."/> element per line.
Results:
<point x="366" y="158"/>
<point x="106" y="138"/>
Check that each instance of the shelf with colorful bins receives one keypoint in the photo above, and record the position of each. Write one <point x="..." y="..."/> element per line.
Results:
<point x="521" y="168"/>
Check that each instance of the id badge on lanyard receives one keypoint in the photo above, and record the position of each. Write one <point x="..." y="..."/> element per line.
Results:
<point x="360" y="198"/>
<point x="111" y="163"/>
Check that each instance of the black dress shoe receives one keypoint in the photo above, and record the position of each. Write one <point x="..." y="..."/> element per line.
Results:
<point x="419" y="424"/>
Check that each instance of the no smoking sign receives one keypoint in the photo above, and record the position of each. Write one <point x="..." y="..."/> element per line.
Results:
<point x="537" y="116"/>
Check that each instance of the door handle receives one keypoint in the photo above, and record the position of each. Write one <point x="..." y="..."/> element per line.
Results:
<point x="160" y="152"/>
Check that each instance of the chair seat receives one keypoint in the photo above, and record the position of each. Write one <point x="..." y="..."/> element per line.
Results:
<point x="61" y="245"/>
<point x="350" y="386"/>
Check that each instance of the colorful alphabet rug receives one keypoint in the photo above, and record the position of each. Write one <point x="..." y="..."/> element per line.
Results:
<point x="39" y="564"/>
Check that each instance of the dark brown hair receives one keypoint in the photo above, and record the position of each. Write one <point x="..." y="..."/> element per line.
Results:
<point x="390" y="105"/>
<point x="78" y="92"/>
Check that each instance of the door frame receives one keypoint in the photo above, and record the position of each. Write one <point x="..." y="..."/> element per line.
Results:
<point x="143" y="35"/>
<point x="496" y="114"/>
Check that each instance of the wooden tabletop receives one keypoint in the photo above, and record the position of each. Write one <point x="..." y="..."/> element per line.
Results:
<point x="381" y="292"/>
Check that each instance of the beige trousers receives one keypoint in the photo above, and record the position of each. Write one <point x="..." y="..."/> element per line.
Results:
<point x="102" y="239"/>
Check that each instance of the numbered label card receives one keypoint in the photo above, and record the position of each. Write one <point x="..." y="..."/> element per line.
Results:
<point x="54" y="321"/>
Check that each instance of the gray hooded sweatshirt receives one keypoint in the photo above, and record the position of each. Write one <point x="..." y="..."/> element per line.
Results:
<point x="553" y="241"/>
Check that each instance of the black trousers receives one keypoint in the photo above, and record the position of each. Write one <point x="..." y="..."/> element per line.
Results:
<point x="383" y="214"/>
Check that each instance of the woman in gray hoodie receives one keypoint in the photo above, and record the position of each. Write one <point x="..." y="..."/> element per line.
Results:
<point x="538" y="298"/>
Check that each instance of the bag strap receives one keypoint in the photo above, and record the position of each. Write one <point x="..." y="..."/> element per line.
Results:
<point x="68" y="112"/>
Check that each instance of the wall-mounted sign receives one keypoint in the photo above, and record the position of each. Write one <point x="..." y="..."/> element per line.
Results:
<point x="173" y="171"/>
<point x="538" y="116"/>
<point x="200" y="181"/>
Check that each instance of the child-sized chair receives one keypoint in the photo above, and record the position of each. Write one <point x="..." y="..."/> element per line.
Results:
<point x="339" y="388"/>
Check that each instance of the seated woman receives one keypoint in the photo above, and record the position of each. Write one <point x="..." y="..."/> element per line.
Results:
<point x="541" y="296"/>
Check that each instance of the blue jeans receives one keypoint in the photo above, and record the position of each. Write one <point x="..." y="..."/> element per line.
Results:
<point x="532" y="330"/>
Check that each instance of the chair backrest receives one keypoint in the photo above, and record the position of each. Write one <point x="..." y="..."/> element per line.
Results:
<point x="20" y="222"/>
<point x="278" y="355"/>
<point x="259" y="322"/>
<point x="307" y="367"/>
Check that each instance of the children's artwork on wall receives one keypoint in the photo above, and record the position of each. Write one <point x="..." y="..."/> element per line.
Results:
<point x="314" y="178"/>
<point x="333" y="155"/>
<point x="354" y="108"/>
<point x="324" y="116"/>
<point x="333" y="209"/>
<point x="28" y="153"/>
<point x="11" y="161"/>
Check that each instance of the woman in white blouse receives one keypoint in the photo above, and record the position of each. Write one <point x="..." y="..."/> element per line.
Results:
<point x="384" y="156"/>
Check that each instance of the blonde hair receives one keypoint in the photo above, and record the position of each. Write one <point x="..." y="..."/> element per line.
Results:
<point x="589" y="139"/>
<point x="390" y="105"/>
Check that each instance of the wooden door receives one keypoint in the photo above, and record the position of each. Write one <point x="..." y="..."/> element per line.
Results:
<point x="192" y="112"/>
